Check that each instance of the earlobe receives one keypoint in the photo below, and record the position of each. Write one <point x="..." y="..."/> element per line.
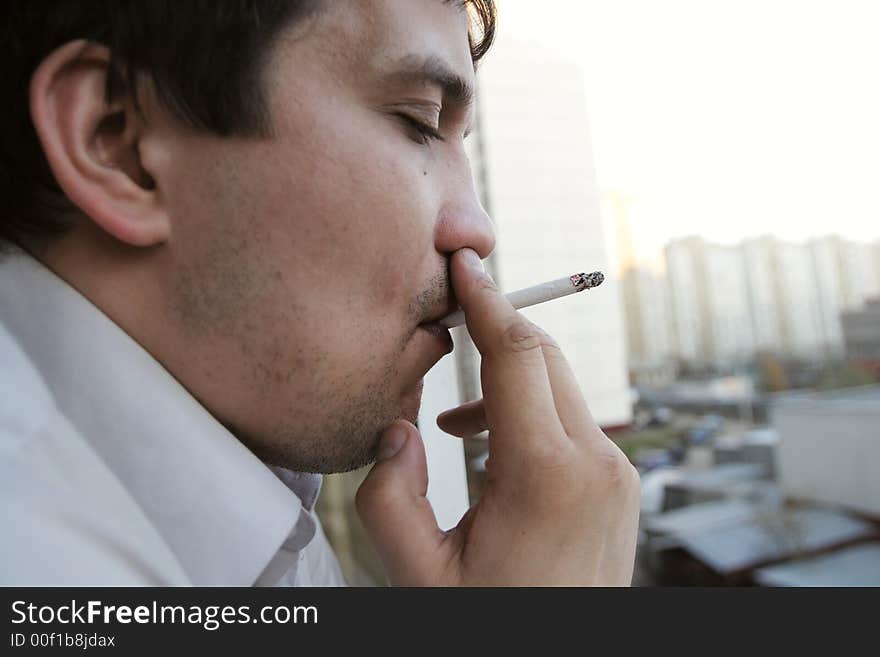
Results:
<point x="93" y="148"/>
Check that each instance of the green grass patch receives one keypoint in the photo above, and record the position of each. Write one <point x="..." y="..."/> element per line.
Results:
<point x="655" y="438"/>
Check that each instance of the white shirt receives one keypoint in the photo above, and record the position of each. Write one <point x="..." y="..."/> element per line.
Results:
<point x="111" y="473"/>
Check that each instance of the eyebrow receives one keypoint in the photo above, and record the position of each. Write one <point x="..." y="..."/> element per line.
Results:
<point x="416" y="69"/>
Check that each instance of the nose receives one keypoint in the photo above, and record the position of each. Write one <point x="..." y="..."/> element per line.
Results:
<point x="463" y="222"/>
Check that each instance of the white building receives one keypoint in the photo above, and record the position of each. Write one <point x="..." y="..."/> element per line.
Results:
<point x="766" y="295"/>
<point x="710" y="302"/>
<point x="874" y="255"/>
<point x="762" y="287"/>
<point x="829" y="281"/>
<point x="535" y="165"/>
<point x="728" y="310"/>
<point x="847" y="275"/>
<point x="685" y="271"/>
<point x="853" y="268"/>
<point x="648" y="320"/>
<point x="799" y="301"/>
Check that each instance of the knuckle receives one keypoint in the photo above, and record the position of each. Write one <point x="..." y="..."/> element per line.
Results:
<point x="521" y="335"/>
<point x="615" y="469"/>
<point x="549" y="342"/>
<point x="635" y="477"/>
<point x="485" y="283"/>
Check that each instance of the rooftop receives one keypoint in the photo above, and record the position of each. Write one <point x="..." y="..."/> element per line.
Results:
<point x="773" y="536"/>
<point x="861" y="398"/>
<point x="858" y="565"/>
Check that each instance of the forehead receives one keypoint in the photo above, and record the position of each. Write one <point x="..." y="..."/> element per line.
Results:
<point x="375" y="37"/>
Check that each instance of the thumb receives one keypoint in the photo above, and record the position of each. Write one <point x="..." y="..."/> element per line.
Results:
<point x="395" y="511"/>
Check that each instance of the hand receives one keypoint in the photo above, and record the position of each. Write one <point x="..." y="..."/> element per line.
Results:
<point x="561" y="502"/>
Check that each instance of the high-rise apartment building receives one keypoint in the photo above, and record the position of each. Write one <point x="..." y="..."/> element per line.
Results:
<point x="829" y="285"/>
<point x="846" y="275"/>
<point x="729" y="302"/>
<point x="686" y="277"/>
<point x="648" y="321"/>
<point x="799" y="301"/>
<point x="731" y="337"/>
<point x="762" y="287"/>
<point x="710" y="302"/>
<point x="874" y="256"/>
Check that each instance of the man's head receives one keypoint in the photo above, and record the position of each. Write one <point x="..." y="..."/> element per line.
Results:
<point x="263" y="194"/>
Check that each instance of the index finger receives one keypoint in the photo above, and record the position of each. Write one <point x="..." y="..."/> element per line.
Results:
<point x="516" y="386"/>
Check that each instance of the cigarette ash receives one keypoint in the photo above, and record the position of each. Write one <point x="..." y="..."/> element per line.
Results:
<point x="586" y="281"/>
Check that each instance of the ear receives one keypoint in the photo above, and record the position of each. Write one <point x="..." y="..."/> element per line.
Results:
<point x="93" y="148"/>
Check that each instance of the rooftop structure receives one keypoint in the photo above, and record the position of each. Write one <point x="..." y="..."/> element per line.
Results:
<point x="829" y="447"/>
<point x="858" y="565"/>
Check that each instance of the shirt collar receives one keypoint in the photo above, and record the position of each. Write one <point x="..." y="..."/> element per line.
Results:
<point x="219" y="508"/>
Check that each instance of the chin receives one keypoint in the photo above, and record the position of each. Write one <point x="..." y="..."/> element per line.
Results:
<point x="412" y="402"/>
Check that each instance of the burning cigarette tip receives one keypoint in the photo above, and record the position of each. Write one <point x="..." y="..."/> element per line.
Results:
<point x="586" y="281"/>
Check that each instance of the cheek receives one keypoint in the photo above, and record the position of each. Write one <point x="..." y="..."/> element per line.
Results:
<point x="340" y="220"/>
<point x="386" y="291"/>
<point x="365" y="210"/>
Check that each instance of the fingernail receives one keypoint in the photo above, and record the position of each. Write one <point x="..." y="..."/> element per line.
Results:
<point x="473" y="260"/>
<point x="392" y="442"/>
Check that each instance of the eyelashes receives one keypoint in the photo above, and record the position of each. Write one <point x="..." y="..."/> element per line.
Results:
<point x="421" y="132"/>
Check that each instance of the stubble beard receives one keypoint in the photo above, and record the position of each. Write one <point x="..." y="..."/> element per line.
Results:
<point x="345" y="438"/>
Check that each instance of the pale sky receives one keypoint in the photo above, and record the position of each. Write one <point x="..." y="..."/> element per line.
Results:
<point x="727" y="118"/>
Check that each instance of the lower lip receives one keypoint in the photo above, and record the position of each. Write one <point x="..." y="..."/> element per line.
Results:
<point x="440" y="333"/>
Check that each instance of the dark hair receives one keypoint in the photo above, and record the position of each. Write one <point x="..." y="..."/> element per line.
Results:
<point x="204" y="58"/>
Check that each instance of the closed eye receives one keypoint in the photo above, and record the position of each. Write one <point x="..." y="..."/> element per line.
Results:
<point x="422" y="133"/>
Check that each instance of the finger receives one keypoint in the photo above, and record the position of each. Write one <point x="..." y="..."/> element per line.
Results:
<point x="464" y="421"/>
<point x="395" y="511"/>
<point x="574" y="414"/>
<point x="469" y="419"/>
<point x="516" y="387"/>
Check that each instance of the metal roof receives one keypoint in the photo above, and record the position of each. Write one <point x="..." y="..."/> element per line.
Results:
<point x="772" y="535"/>
<point x="858" y="565"/>
<point x="697" y="518"/>
<point x="862" y="398"/>
<point x="722" y="476"/>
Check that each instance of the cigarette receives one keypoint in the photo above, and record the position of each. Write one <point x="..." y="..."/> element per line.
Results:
<point x="541" y="293"/>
